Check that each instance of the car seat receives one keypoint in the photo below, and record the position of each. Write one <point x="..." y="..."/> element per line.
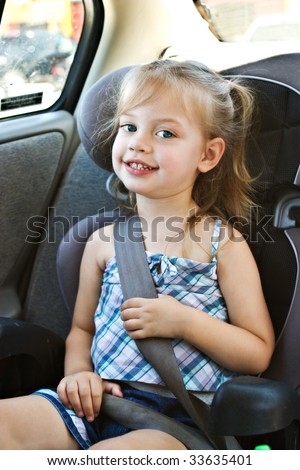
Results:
<point x="262" y="409"/>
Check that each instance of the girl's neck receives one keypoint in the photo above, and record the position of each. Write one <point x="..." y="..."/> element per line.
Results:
<point x="165" y="209"/>
<point x="164" y="221"/>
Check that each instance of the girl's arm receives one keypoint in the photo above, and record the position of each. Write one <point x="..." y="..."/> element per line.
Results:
<point x="250" y="337"/>
<point x="82" y="389"/>
<point x="79" y="340"/>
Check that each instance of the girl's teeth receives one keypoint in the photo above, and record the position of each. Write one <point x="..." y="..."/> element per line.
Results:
<point x="139" y="166"/>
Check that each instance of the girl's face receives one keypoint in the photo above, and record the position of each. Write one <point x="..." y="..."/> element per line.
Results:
<point x="159" y="148"/>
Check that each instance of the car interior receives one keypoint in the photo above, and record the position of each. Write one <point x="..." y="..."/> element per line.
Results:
<point x="56" y="189"/>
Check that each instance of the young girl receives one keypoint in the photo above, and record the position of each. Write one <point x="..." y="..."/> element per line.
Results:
<point x="179" y="151"/>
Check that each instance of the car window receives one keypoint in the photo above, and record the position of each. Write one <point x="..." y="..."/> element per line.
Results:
<point x="38" y="41"/>
<point x="254" y="20"/>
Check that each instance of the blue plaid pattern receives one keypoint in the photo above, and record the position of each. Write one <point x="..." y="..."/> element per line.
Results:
<point x="116" y="356"/>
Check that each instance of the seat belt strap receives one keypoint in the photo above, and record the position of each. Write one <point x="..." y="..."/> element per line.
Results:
<point x="136" y="416"/>
<point x="137" y="281"/>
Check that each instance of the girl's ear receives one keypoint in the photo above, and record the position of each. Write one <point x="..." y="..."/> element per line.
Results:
<point x="212" y="154"/>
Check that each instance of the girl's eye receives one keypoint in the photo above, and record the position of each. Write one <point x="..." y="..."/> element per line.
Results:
<point x="129" y="127"/>
<point x="165" y="134"/>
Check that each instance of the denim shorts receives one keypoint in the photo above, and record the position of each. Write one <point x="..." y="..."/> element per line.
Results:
<point x="103" y="427"/>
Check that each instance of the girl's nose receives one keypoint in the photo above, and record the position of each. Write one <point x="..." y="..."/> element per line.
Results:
<point x="140" y="144"/>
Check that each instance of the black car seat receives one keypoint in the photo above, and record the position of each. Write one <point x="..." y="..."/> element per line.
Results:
<point x="267" y="407"/>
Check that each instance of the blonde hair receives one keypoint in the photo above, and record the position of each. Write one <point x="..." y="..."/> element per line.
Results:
<point x="224" y="109"/>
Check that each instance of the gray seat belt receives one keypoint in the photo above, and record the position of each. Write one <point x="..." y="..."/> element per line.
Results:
<point x="136" y="416"/>
<point x="136" y="281"/>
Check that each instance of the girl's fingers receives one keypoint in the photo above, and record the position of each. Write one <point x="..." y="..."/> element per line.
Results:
<point x="96" y="395"/>
<point x="72" y="391"/>
<point x="62" y="393"/>
<point x="76" y="393"/>
<point x="134" y="302"/>
<point x="132" y="325"/>
<point x="117" y="391"/>
<point x="129" y="313"/>
<point x="85" y="395"/>
<point x="112" y="388"/>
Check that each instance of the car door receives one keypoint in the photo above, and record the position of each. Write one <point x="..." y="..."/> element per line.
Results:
<point x="38" y="140"/>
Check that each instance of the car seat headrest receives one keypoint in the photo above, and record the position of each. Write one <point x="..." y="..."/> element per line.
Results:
<point x="98" y="106"/>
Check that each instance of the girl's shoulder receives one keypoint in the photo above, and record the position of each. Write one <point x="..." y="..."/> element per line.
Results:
<point x="232" y="244"/>
<point x="215" y="235"/>
<point x="228" y="234"/>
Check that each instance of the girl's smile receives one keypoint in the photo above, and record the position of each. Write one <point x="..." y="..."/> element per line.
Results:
<point x="138" y="167"/>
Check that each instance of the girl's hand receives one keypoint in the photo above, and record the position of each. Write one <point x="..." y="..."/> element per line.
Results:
<point x="83" y="393"/>
<point x="145" y="318"/>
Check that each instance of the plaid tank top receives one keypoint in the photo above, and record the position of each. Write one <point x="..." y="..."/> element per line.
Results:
<point x="115" y="355"/>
